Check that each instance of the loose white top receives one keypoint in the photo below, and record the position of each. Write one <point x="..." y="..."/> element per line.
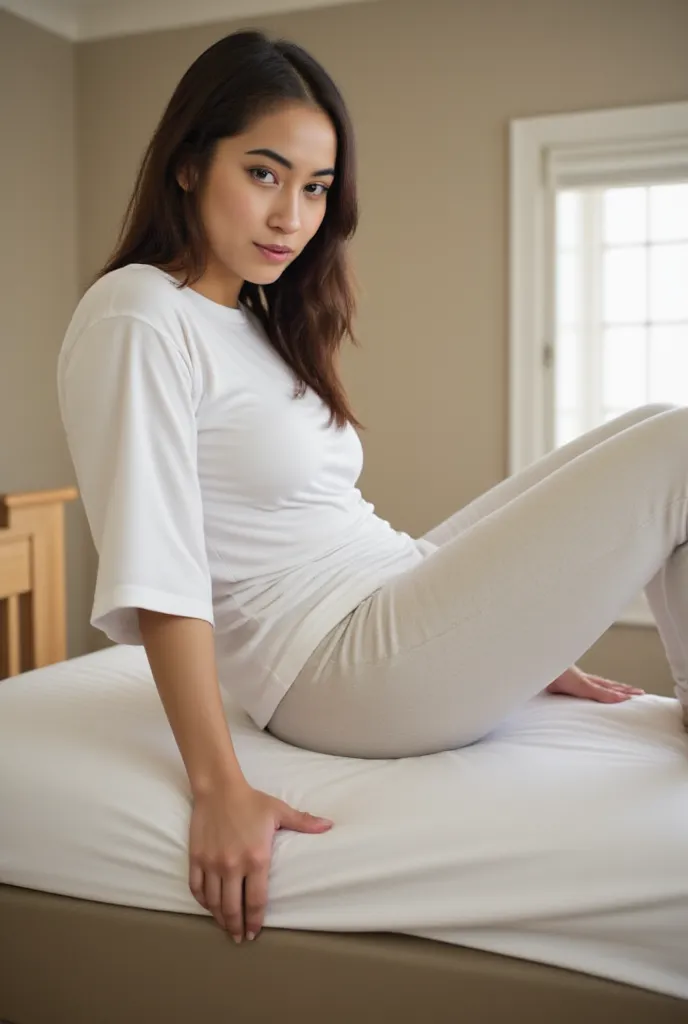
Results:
<point x="211" y="491"/>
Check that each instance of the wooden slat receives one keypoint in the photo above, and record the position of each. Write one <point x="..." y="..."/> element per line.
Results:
<point x="15" y="597"/>
<point x="46" y="524"/>
<point x="21" y="499"/>
<point x="36" y="624"/>
<point x="14" y="665"/>
<point x="15" y="563"/>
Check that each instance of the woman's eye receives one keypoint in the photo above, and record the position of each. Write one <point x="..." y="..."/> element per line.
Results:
<point x="260" y="170"/>
<point x="253" y="171"/>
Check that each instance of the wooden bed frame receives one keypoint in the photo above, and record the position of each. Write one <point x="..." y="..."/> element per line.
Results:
<point x="32" y="579"/>
<point x="79" y="961"/>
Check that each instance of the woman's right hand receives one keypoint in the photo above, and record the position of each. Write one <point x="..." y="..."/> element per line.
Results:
<point x="230" y="849"/>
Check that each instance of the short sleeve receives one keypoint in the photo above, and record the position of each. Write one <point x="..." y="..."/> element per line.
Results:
<point x="127" y="404"/>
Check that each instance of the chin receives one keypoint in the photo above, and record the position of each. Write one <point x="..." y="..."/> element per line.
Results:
<point x="268" y="276"/>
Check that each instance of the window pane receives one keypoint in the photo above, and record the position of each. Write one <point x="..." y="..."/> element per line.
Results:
<point x="669" y="282"/>
<point x="669" y="365"/>
<point x="566" y="369"/>
<point x="624" y="375"/>
<point x="669" y="212"/>
<point x="624" y="215"/>
<point x="624" y="286"/>
<point x="568" y="218"/>
<point x="567" y="288"/>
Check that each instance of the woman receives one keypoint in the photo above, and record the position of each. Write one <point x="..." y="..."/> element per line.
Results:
<point x="217" y="458"/>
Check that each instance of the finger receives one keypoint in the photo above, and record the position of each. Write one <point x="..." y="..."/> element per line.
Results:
<point x="606" y="684"/>
<point x="213" y="896"/>
<point x="301" y="821"/>
<point x="625" y="687"/>
<point x="196" y="884"/>
<point x="233" y="903"/>
<point x="255" y="899"/>
<point x="604" y="695"/>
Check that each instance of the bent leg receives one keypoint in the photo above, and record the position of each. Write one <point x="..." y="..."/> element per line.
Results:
<point x="509" y="488"/>
<point x="441" y="654"/>
<point x="671" y="576"/>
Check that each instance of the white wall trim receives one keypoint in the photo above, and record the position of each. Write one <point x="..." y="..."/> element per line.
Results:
<point x="530" y="317"/>
<point x="531" y="139"/>
<point x="85" y="20"/>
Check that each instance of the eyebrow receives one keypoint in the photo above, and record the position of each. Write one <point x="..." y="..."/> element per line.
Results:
<point x="287" y="163"/>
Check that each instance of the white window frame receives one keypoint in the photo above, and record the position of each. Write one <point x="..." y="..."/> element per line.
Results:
<point x="532" y="143"/>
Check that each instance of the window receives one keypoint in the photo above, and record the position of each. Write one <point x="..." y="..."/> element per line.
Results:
<point x="599" y="274"/>
<point x="621" y="299"/>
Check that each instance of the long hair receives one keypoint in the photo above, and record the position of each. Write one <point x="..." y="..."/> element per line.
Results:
<point x="309" y="310"/>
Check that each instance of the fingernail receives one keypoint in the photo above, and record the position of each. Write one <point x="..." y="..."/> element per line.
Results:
<point x="250" y="936"/>
<point x="237" y="939"/>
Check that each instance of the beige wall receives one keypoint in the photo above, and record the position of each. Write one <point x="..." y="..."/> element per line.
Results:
<point x="431" y="87"/>
<point x="38" y="278"/>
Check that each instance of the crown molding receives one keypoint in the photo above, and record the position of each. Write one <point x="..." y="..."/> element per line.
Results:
<point x="61" y="20"/>
<point x="81" y="21"/>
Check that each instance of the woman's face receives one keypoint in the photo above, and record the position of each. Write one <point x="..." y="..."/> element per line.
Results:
<point x="275" y="197"/>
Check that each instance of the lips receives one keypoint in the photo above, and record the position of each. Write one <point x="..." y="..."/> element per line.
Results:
<point x="275" y="253"/>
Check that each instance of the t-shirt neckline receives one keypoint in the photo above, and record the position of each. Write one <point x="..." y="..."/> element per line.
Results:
<point x="228" y="314"/>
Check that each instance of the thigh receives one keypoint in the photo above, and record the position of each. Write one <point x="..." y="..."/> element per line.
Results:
<point x="442" y="653"/>
<point x="512" y="486"/>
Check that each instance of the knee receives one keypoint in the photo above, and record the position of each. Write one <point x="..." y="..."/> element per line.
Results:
<point x="669" y="431"/>
<point x="655" y="408"/>
<point x="660" y="419"/>
<point x="641" y="414"/>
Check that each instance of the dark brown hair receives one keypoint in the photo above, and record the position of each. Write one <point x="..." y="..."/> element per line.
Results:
<point x="309" y="310"/>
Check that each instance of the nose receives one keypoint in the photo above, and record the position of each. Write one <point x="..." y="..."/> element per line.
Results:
<point x="286" y="213"/>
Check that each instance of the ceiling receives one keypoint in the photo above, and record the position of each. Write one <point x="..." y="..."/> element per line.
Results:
<point x="80" y="20"/>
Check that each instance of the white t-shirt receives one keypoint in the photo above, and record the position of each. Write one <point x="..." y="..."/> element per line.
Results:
<point x="212" y="492"/>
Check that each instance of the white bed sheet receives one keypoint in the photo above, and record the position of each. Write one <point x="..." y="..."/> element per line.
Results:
<point x="563" y="838"/>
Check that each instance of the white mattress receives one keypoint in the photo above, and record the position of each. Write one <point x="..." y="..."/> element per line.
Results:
<point x="563" y="838"/>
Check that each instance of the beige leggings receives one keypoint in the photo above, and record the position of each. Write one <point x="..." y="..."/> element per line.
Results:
<point x="525" y="579"/>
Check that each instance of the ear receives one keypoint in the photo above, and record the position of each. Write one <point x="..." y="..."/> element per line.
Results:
<point x="186" y="179"/>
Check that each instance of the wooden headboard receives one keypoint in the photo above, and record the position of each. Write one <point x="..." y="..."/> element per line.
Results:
<point x="32" y="580"/>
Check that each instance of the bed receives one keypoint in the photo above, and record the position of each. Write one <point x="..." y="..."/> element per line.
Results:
<point x="540" y="875"/>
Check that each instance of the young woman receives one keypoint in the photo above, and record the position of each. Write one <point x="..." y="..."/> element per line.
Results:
<point x="217" y="458"/>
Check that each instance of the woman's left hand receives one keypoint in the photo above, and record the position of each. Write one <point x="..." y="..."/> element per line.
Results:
<point x="577" y="683"/>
